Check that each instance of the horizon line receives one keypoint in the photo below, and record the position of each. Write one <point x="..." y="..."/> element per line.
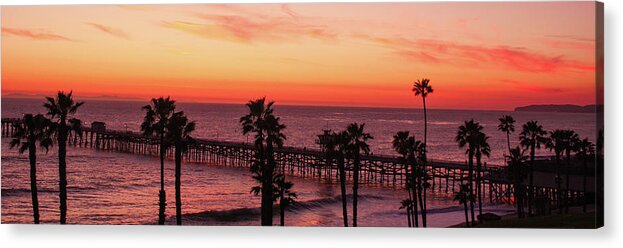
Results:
<point x="139" y="99"/>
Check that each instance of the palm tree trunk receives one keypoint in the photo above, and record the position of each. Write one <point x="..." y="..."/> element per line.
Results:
<point x="267" y="188"/>
<point x="32" y="154"/>
<point x="178" y="185"/>
<point x="343" y="190"/>
<point x="282" y="210"/>
<point x="62" y="172"/>
<point x="355" y="187"/>
<point x="162" y="196"/>
<point x="585" y="171"/>
<point x="471" y="184"/>
<point x="425" y="159"/>
<point x="409" y="215"/>
<point x="414" y="212"/>
<point x="409" y="207"/>
<point x="531" y="180"/>
<point x="508" y="141"/>
<point x="466" y="214"/>
<point x="567" y="182"/>
<point x="558" y="184"/>
<point x="479" y="194"/>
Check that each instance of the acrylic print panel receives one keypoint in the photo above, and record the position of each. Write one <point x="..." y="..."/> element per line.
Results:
<point x="436" y="114"/>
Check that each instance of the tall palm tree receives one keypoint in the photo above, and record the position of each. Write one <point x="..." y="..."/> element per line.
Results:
<point x="178" y="132"/>
<point x="481" y="148"/>
<point x="334" y="149"/>
<point x="61" y="110"/>
<point x="585" y="151"/>
<point x="516" y="164"/>
<point x="467" y="135"/>
<point x="356" y="144"/>
<point x="405" y="145"/>
<point x="285" y="195"/>
<point x="157" y="116"/>
<point x="423" y="88"/>
<point x="557" y="142"/>
<point x="29" y="131"/>
<point x="507" y="125"/>
<point x="532" y="136"/>
<point x="268" y="133"/>
<point x="463" y="196"/>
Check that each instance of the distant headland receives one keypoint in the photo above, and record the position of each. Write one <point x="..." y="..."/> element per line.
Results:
<point x="563" y="108"/>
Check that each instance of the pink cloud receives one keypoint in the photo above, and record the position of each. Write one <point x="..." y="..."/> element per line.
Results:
<point x="254" y="27"/>
<point x="457" y="54"/>
<point x="109" y="30"/>
<point x="35" y="35"/>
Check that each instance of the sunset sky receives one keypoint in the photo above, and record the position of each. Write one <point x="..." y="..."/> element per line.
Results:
<point x="477" y="55"/>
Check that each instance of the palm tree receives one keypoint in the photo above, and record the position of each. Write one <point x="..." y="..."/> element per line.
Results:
<point x="61" y="110"/>
<point x="463" y="196"/>
<point x="334" y="149"/>
<point x="562" y="142"/>
<point x="507" y="125"/>
<point x="268" y="133"/>
<point x="178" y="132"/>
<point x="532" y="136"/>
<point x="481" y="148"/>
<point x="423" y="88"/>
<point x="157" y="116"/>
<point x="405" y="145"/>
<point x="467" y="135"/>
<point x="29" y="131"/>
<point x="516" y="164"/>
<point x="585" y="151"/>
<point x="356" y="143"/>
<point x="285" y="195"/>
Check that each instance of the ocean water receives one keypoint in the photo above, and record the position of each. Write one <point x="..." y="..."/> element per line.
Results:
<point x="113" y="188"/>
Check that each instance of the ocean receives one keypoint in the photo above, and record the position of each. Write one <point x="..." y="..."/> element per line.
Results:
<point x="113" y="188"/>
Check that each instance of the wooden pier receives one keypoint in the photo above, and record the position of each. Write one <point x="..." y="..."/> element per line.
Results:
<point x="379" y="170"/>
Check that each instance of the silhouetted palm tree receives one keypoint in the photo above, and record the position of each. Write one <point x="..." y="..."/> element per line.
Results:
<point x="404" y="145"/>
<point x="532" y="136"/>
<point x="334" y="149"/>
<point x="557" y="142"/>
<point x="157" y="116"/>
<point x="178" y="132"/>
<point x="29" y="131"/>
<point x="463" y="196"/>
<point x="268" y="133"/>
<point x="61" y="110"/>
<point x="356" y="144"/>
<point x="516" y="164"/>
<point x="507" y="125"/>
<point x="585" y="151"/>
<point x="423" y="88"/>
<point x="467" y="135"/>
<point x="285" y="195"/>
<point x="481" y="148"/>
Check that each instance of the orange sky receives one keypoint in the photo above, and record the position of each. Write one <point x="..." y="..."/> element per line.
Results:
<point x="477" y="55"/>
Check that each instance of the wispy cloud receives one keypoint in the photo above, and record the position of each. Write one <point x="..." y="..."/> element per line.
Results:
<point x="453" y="53"/>
<point x="109" y="30"/>
<point x="35" y="35"/>
<point x="247" y="28"/>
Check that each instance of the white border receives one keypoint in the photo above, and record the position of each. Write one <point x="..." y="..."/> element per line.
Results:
<point x="153" y="236"/>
